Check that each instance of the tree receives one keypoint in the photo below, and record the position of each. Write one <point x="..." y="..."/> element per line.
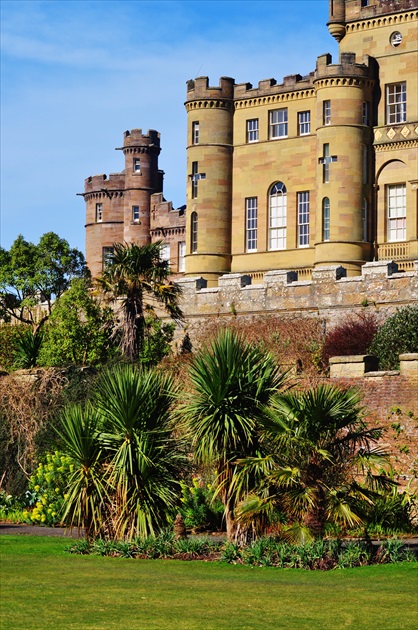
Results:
<point x="31" y="274"/>
<point x="321" y="447"/>
<point x="79" y="330"/>
<point x="232" y="382"/>
<point x="133" y="274"/>
<point x="127" y="462"/>
<point x="398" y="335"/>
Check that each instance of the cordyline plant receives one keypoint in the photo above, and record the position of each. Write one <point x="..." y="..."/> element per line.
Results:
<point x="135" y="274"/>
<point x="127" y="462"/>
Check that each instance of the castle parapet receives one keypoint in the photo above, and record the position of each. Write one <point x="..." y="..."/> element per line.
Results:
<point x="347" y="67"/>
<point x="292" y="82"/>
<point x="135" y="137"/>
<point x="199" y="89"/>
<point x="95" y="183"/>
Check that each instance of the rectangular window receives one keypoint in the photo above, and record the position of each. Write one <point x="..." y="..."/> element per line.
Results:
<point x="195" y="170"/>
<point x="395" y="103"/>
<point x="252" y="130"/>
<point x="304" y="120"/>
<point x="278" y="123"/>
<point x="277" y="222"/>
<point x="137" y="165"/>
<point x="326" y="219"/>
<point x="165" y="252"/>
<point x="195" y="132"/>
<point x="251" y="224"/>
<point x="99" y="212"/>
<point x="327" y="112"/>
<point x="107" y="255"/>
<point x="303" y="219"/>
<point x="182" y="257"/>
<point x="193" y="243"/>
<point x="396" y="205"/>
<point x="135" y="214"/>
<point x="366" y="117"/>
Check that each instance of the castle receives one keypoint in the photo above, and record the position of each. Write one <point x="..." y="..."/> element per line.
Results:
<point x="318" y="171"/>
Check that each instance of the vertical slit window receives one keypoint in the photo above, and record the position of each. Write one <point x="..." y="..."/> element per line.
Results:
<point x="99" y="212"/>
<point x="326" y="219"/>
<point x="195" y="132"/>
<point x="327" y="112"/>
<point x="193" y="244"/>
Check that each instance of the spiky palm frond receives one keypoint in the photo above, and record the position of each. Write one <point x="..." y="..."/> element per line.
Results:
<point x="87" y="494"/>
<point x="145" y="461"/>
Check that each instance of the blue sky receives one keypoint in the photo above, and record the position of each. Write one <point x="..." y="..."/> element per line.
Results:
<point x="76" y="74"/>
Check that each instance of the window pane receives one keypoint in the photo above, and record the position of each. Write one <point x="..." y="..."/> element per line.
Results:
<point x="252" y="130"/>
<point x="251" y="224"/>
<point x="326" y="222"/>
<point x="396" y="205"/>
<point x="182" y="257"/>
<point x="303" y="219"/>
<point x="278" y="123"/>
<point x="277" y="216"/>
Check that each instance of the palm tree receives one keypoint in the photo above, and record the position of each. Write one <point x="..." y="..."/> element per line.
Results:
<point x="127" y="464"/>
<point x="322" y="464"/>
<point x="132" y="274"/>
<point x="231" y="383"/>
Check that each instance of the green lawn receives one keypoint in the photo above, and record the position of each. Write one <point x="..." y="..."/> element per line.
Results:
<point x="44" y="587"/>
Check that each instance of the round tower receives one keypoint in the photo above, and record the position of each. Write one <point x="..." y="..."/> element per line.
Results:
<point x="336" y="24"/>
<point x="142" y="179"/>
<point x="209" y="178"/>
<point x="344" y="162"/>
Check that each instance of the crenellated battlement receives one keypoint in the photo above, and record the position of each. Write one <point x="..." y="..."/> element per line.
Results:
<point x="98" y="182"/>
<point x="356" y="10"/>
<point x="268" y="87"/>
<point x="135" y="137"/>
<point x="198" y="89"/>
<point x="347" y="68"/>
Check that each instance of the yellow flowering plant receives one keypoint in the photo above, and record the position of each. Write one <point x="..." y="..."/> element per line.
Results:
<point x="47" y="486"/>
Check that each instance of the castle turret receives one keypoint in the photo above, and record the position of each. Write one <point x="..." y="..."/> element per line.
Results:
<point x="142" y="179"/>
<point x="344" y="161"/>
<point x="209" y="177"/>
<point x="118" y="205"/>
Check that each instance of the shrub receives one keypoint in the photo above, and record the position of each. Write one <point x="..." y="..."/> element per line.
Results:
<point x="399" y="334"/>
<point x="10" y="336"/>
<point x="199" y="510"/>
<point x="48" y="485"/>
<point x="353" y="336"/>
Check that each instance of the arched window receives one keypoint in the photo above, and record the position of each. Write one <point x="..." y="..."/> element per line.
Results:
<point x="325" y="219"/>
<point x="277" y="216"/>
<point x="193" y="243"/>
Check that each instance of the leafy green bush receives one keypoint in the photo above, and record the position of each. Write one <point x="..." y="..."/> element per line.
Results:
<point x="28" y="348"/>
<point x="157" y="340"/>
<point x="399" y="334"/>
<point x="199" y="510"/>
<point x="10" y="335"/>
<point x="47" y="486"/>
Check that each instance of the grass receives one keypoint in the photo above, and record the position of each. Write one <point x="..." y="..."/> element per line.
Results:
<point x="44" y="587"/>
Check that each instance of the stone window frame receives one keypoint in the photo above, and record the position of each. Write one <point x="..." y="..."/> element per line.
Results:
<point x="396" y="212"/>
<point x="278" y="123"/>
<point x="326" y="219"/>
<point x="181" y="260"/>
<point x="193" y="232"/>
<point x="326" y="112"/>
<point x="365" y="114"/>
<point x="135" y="214"/>
<point x="107" y="254"/>
<point x="304" y="123"/>
<point x="136" y="165"/>
<point x="251" y="220"/>
<point x="277" y="217"/>
<point x="395" y="94"/>
<point x="99" y="212"/>
<point x="165" y="252"/>
<point x="195" y="132"/>
<point x="303" y="206"/>
<point x="252" y="130"/>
